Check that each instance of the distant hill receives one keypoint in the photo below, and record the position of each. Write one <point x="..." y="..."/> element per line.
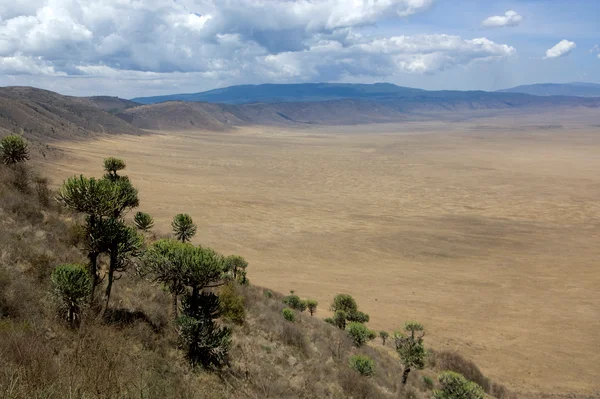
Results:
<point x="112" y="104"/>
<point x="45" y="115"/>
<point x="577" y="89"/>
<point x="272" y="93"/>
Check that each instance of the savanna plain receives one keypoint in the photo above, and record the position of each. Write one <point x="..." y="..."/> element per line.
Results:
<point x="485" y="231"/>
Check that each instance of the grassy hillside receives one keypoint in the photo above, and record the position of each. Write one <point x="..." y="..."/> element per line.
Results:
<point x="132" y="349"/>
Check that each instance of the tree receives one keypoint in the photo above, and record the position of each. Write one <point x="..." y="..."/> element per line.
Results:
<point x="143" y="221"/>
<point x="236" y="266"/>
<point x="384" y="336"/>
<point x="359" y="333"/>
<point x="13" y="149"/>
<point x="122" y="244"/>
<point x="112" y="166"/>
<point x="347" y="304"/>
<point x="164" y="262"/>
<point x="183" y="227"/>
<point x="204" y="343"/>
<point x="339" y="319"/>
<point x="410" y="348"/>
<point x="71" y="285"/>
<point x="95" y="199"/>
<point x="455" y="386"/>
<point x="311" y="304"/>
<point x="363" y="364"/>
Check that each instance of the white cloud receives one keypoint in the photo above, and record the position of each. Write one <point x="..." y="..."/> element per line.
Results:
<point x="510" y="18"/>
<point x="232" y="42"/>
<point x="561" y="49"/>
<point x="595" y="49"/>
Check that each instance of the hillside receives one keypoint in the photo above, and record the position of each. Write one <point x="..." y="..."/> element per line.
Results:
<point x="44" y="115"/>
<point x="576" y="89"/>
<point x="133" y="349"/>
<point x="111" y="104"/>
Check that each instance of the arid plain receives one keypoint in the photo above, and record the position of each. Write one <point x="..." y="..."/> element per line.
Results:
<point x="486" y="231"/>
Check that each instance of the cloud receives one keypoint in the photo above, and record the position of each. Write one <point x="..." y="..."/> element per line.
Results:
<point x="561" y="49"/>
<point x="595" y="49"/>
<point x="510" y="18"/>
<point x="221" y="43"/>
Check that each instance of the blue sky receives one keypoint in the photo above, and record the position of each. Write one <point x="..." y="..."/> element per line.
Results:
<point x="146" y="47"/>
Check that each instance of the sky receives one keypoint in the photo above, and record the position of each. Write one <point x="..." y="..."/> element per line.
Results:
<point x="131" y="48"/>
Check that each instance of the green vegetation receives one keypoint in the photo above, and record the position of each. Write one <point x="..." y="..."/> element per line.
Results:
<point x="359" y="333"/>
<point x="288" y="314"/>
<point x="13" y="150"/>
<point x="410" y="348"/>
<point x="427" y="382"/>
<point x="236" y="266"/>
<point x="71" y="286"/>
<point x="232" y="304"/>
<point x="346" y="304"/>
<point x="311" y="304"/>
<point x="363" y="364"/>
<point x="294" y="302"/>
<point x="183" y="227"/>
<point x="455" y="386"/>
<point x="143" y="221"/>
<point x="112" y="166"/>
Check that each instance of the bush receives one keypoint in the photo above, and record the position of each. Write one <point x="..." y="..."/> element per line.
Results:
<point x="358" y="317"/>
<point x="345" y="303"/>
<point x="359" y="334"/>
<point x="71" y="285"/>
<point x="288" y="314"/>
<point x="232" y="304"/>
<point x="13" y="149"/>
<point x="455" y="386"/>
<point x="363" y="364"/>
<point x="311" y="304"/>
<point x="268" y="294"/>
<point x="294" y="302"/>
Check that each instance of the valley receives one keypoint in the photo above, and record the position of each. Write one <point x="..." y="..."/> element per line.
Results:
<point x="484" y="230"/>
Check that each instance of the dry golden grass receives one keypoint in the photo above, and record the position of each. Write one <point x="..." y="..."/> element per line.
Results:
<point x="487" y="233"/>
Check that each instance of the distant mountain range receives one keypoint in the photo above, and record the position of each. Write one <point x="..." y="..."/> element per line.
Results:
<point x="382" y="92"/>
<point x="45" y="115"/>
<point x="576" y="89"/>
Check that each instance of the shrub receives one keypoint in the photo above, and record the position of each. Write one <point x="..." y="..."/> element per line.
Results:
<point x="345" y="303"/>
<point x="232" y="304"/>
<point x="143" y="221"/>
<point x="13" y="149"/>
<point x="455" y="386"/>
<point x="294" y="302"/>
<point x="427" y="382"/>
<point x="358" y="317"/>
<point x="311" y="304"/>
<point x="236" y="266"/>
<point x="363" y="364"/>
<point x="42" y="190"/>
<point x="384" y="336"/>
<point x="359" y="334"/>
<point x="71" y="285"/>
<point x="329" y="320"/>
<point x="288" y="314"/>
<point x="268" y="294"/>
<point x="112" y="166"/>
<point x="339" y="319"/>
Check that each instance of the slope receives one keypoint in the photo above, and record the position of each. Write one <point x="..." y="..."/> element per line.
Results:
<point x="44" y="115"/>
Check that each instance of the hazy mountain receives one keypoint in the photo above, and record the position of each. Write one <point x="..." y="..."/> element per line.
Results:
<point x="112" y="104"/>
<point x="577" y="89"/>
<point x="272" y="93"/>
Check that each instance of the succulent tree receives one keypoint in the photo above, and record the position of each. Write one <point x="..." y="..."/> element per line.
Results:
<point x="183" y="227"/>
<point x="410" y="348"/>
<point x="143" y="221"/>
<point x="71" y="285"/>
<point x="384" y="336"/>
<point x="13" y="149"/>
<point x="112" y="166"/>
<point x="236" y="266"/>
<point x="347" y="304"/>
<point x="359" y="333"/>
